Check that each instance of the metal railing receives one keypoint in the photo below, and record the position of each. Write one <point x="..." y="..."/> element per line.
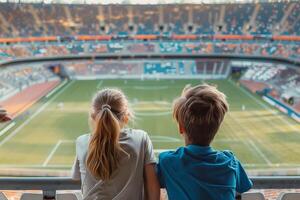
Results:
<point x="49" y="185"/>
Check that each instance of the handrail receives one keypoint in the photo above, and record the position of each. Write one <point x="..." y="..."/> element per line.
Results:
<point x="49" y="185"/>
<point x="67" y="183"/>
<point x="39" y="183"/>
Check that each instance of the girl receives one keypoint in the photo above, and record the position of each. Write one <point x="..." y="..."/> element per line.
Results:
<point x="114" y="162"/>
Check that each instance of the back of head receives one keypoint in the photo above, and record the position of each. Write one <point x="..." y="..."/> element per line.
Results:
<point x="200" y="110"/>
<point x="108" y="112"/>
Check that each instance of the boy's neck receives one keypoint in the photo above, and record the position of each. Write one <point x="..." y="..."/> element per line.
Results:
<point x="188" y="142"/>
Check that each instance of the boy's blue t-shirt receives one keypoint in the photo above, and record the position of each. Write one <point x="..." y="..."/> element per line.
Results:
<point x="201" y="173"/>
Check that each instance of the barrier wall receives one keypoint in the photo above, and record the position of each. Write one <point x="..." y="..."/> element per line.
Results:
<point x="282" y="107"/>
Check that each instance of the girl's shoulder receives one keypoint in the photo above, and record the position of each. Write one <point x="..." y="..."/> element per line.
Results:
<point x="135" y="132"/>
<point x="82" y="140"/>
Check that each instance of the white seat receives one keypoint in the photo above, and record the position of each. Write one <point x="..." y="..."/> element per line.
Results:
<point x="2" y="196"/>
<point x="68" y="196"/>
<point x="289" y="196"/>
<point x="253" y="196"/>
<point x="60" y="196"/>
<point x="31" y="196"/>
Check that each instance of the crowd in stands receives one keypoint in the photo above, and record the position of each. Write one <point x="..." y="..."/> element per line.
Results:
<point x="281" y="82"/>
<point x="15" y="79"/>
<point x="60" y="19"/>
<point x="278" y="49"/>
<point x="69" y="21"/>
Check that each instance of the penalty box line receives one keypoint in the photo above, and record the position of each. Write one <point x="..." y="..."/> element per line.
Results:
<point x="250" y="141"/>
<point x="53" y="151"/>
<point x="157" y="151"/>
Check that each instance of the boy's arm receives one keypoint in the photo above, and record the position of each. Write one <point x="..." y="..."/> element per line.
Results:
<point x="152" y="188"/>
<point x="159" y="175"/>
<point x="243" y="183"/>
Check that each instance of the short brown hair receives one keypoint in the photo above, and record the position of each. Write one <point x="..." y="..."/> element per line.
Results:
<point x="200" y="110"/>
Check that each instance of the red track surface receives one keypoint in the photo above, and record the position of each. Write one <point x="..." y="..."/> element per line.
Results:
<point x="20" y="102"/>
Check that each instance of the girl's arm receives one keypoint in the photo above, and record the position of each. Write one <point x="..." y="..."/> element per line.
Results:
<point x="75" y="173"/>
<point x="152" y="187"/>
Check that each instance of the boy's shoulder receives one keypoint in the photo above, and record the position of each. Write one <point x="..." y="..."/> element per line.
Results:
<point x="180" y="153"/>
<point x="172" y="154"/>
<point x="228" y="153"/>
<point x="135" y="132"/>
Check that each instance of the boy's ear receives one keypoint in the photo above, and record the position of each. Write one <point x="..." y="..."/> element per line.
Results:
<point x="181" y="129"/>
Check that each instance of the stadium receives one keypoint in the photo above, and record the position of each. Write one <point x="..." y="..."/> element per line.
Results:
<point x="55" y="55"/>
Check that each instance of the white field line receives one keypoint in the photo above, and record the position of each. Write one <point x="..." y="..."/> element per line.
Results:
<point x="68" y="141"/>
<point x="269" y="109"/>
<point x="152" y="114"/>
<point x="45" y="163"/>
<point x="33" y="166"/>
<point x="16" y="131"/>
<point x="246" y="143"/>
<point x="151" y="87"/>
<point x="51" y="154"/>
<point x="250" y="141"/>
<point x="3" y="131"/>
<point x="167" y="139"/>
<point x="227" y="140"/>
<point x="272" y="165"/>
<point x="162" y="150"/>
<point x="99" y="84"/>
<point x="57" y="88"/>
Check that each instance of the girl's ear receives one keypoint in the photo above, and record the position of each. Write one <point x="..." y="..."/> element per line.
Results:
<point x="93" y="115"/>
<point x="126" y="118"/>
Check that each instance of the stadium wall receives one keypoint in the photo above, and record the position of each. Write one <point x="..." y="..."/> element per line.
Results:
<point x="149" y="76"/>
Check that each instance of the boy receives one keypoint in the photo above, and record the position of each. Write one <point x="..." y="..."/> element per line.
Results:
<point x="197" y="171"/>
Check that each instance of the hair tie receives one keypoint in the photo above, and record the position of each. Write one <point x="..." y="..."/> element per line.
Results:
<point x="106" y="106"/>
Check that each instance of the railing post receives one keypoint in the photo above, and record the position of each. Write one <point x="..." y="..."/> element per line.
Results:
<point x="49" y="194"/>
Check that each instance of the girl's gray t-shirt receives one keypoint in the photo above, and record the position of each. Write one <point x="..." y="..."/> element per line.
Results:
<point x="127" y="181"/>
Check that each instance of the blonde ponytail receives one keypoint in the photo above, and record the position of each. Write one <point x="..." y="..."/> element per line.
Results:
<point x="104" y="148"/>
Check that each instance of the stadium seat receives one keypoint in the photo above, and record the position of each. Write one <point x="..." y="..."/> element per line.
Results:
<point x="253" y="196"/>
<point x="2" y="196"/>
<point x="61" y="196"/>
<point x="68" y="196"/>
<point x="31" y="196"/>
<point x="289" y="196"/>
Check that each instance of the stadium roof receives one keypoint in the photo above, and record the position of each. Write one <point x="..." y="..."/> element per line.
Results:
<point x="140" y="2"/>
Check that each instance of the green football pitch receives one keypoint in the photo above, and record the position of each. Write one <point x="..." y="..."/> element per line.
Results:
<point x="260" y="136"/>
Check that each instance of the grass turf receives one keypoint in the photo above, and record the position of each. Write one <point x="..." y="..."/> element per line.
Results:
<point x="260" y="136"/>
